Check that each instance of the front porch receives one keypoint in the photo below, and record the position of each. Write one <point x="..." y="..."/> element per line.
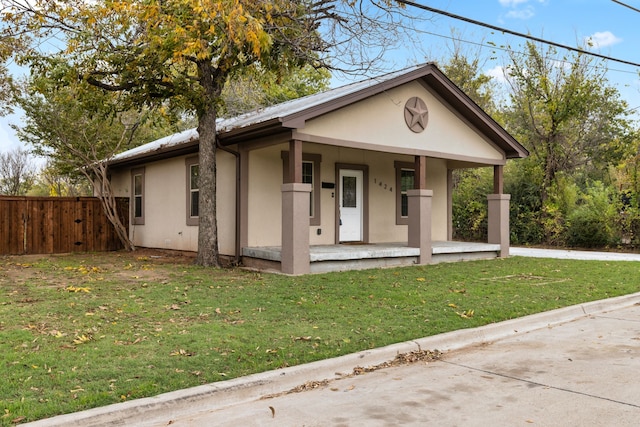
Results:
<point x="327" y="258"/>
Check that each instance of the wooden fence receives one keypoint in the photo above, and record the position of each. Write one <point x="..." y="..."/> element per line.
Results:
<point x="48" y="225"/>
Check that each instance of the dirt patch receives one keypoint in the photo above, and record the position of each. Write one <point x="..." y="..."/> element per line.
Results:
<point x="130" y="266"/>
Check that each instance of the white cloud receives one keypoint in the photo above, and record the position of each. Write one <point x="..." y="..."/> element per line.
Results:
<point x="499" y="73"/>
<point x="525" y="13"/>
<point x="515" y="3"/>
<point x="521" y="9"/>
<point x="602" y="39"/>
<point x="511" y="3"/>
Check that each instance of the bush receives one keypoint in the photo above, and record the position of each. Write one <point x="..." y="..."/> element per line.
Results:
<point x="593" y="223"/>
<point x="522" y="181"/>
<point x="470" y="204"/>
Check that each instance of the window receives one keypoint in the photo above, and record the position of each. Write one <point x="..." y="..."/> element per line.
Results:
<point x="310" y="175"/>
<point x="193" y="191"/>
<point x="137" y="194"/>
<point x="405" y="178"/>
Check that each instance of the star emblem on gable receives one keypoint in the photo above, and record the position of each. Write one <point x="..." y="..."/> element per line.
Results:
<point x="416" y="114"/>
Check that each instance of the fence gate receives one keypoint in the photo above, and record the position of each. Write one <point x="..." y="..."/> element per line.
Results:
<point x="48" y="225"/>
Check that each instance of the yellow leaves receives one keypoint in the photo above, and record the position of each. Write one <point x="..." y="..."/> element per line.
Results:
<point x="82" y="339"/>
<point x="421" y="279"/>
<point x="76" y="289"/>
<point x="85" y="270"/>
<point x="467" y="314"/>
<point x="181" y="352"/>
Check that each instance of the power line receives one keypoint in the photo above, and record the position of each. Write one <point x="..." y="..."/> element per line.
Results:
<point x="515" y="33"/>
<point x="626" y="5"/>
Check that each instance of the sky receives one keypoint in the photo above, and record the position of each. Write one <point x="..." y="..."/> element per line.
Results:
<point x="614" y="30"/>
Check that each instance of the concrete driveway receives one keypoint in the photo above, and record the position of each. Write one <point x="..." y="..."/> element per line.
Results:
<point x="576" y="366"/>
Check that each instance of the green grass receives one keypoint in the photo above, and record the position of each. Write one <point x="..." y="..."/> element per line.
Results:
<point x="82" y="331"/>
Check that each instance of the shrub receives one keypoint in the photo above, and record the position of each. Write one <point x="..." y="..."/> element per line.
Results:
<point x="593" y="222"/>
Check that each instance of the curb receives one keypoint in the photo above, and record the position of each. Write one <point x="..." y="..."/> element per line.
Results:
<point x="161" y="409"/>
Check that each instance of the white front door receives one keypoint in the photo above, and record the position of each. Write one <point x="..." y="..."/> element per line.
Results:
<point x="350" y="199"/>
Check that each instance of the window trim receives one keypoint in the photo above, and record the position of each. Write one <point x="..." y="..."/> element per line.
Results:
<point x="400" y="166"/>
<point x="191" y="220"/>
<point x="137" y="220"/>
<point x="316" y="159"/>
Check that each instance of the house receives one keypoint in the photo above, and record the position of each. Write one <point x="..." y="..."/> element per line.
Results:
<point x="358" y="176"/>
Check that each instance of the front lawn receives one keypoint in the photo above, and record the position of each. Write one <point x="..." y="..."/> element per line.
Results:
<point x="81" y="331"/>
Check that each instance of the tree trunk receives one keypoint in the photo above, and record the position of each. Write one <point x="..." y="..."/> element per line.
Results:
<point x="208" y="224"/>
<point x="208" y="255"/>
<point x="110" y="206"/>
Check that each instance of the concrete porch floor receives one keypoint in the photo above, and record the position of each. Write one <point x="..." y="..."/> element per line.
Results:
<point x="343" y="257"/>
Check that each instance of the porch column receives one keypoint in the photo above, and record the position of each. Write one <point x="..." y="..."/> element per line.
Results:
<point x="420" y="222"/>
<point x="449" y="204"/>
<point x="419" y="200"/>
<point x="498" y="214"/>
<point x="294" y="257"/>
<point x="295" y="228"/>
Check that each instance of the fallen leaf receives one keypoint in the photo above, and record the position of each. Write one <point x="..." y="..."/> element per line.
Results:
<point x="467" y="314"/>
<point x="81" y="339"/>
<point x="77" y="289"/>
<point x="181" y="352"/>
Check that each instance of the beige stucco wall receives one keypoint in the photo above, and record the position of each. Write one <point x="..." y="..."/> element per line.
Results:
<point x="264" y="206"/>
<point x="165" y="205"/>
<point x="380" y="120"/>
<point x="265" y="197"/>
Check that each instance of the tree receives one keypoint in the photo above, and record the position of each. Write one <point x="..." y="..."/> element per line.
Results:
<point x="17" y="172"/>
<point x="180" y="54"/>
<point x="254" y="88"/>
<point x="471" y="185"/>
<point x="463" y="67"/>
<point x="73" y="127"/>
<point x="566" y="113"/>
<point x="50" y="182"/>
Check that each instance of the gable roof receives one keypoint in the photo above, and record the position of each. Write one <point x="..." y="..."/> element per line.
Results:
<point x="294" y="113"/>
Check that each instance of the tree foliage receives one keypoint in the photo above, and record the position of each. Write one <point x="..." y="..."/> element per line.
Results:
<point x="178" y="54"/>
<point x="464" y="68"/>
<point x="17" y="172"/>
<point x="583" y="152"/>
<point x="255" y="88"/>
<point x="566" y="113"/>
<point x="50" y="182"/>
<point x="74" y="126"/>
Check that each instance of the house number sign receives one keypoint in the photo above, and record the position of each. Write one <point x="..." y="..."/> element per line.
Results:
<point x="416" y="114"/>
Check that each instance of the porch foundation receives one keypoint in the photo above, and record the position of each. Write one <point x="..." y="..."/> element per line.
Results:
<point x="420" y="223"/>
<point x="295" y="228"/>
<point x="498" y="222"/>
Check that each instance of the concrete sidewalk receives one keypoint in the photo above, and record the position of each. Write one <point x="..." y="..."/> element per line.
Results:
<point x="573" y="366"/>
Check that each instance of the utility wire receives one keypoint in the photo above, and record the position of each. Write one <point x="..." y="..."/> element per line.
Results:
<point x="515" y="33"/>
<point x="626" y="5"/>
